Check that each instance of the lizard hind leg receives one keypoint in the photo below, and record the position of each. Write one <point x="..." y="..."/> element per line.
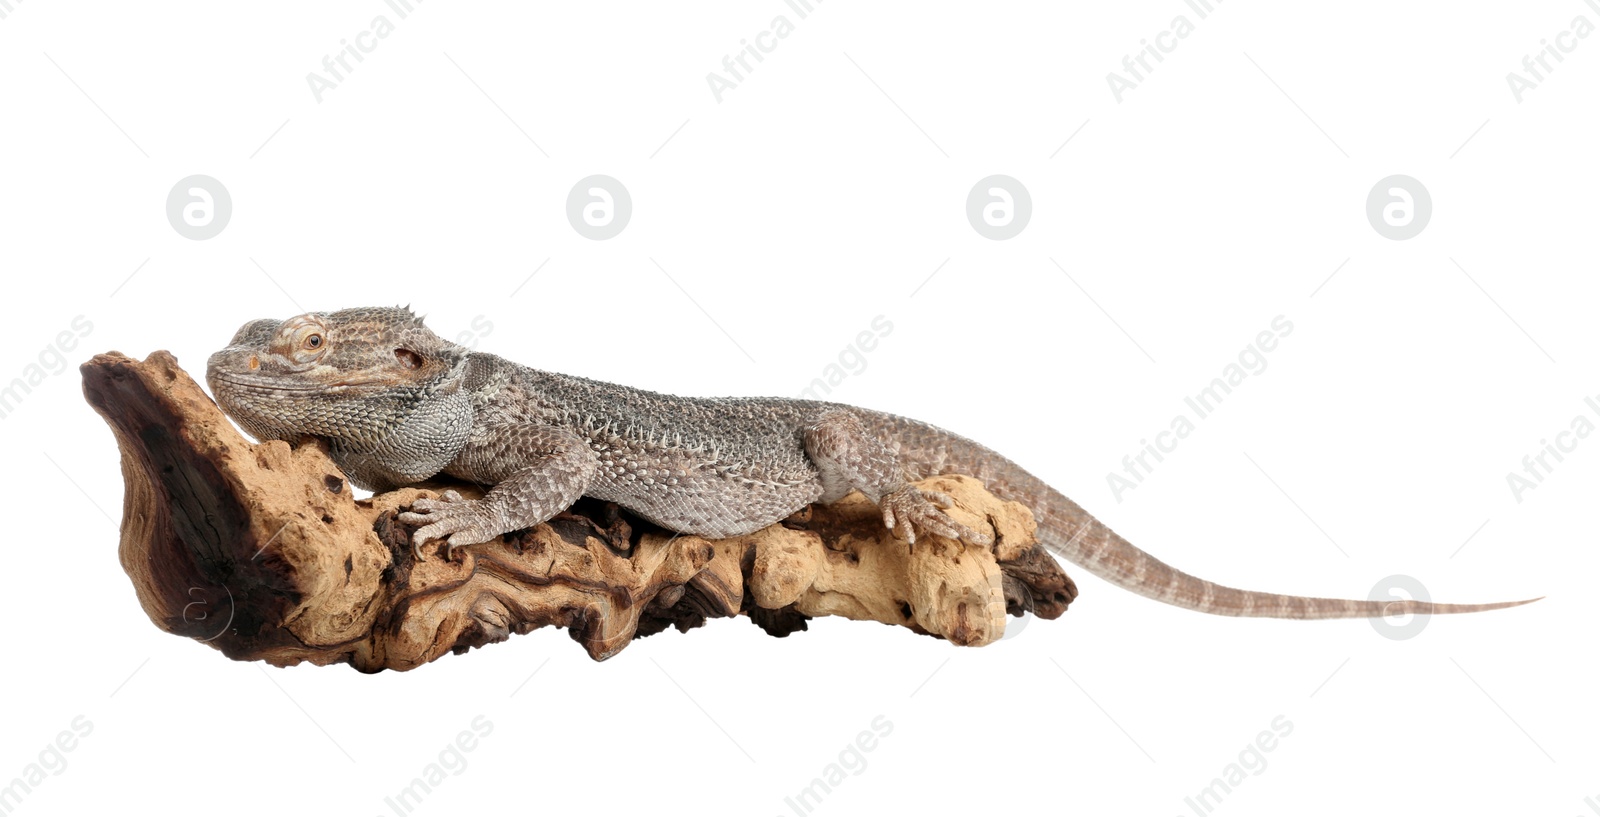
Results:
<point x="848" y="456"/>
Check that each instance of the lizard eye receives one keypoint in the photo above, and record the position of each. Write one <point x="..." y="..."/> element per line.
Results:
<point x="408" y="358"/>
<point x="313" y="341"/>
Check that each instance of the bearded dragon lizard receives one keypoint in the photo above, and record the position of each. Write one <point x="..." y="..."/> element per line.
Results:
<point x="397" y="404"/>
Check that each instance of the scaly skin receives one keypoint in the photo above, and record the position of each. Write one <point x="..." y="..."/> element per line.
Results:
<point x="398" y="405"/>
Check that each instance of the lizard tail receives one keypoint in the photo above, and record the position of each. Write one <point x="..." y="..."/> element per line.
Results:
<point x="1072" y="533"/>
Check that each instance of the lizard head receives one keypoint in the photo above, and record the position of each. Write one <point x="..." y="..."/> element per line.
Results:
<point x="351" y="375"/>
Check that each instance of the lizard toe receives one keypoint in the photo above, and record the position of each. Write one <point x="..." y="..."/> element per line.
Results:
<point x="941" y="526"/>
<point x="445" y="500"/>
<point x="437" y="530"/>
<point x="416" y="518"/>
<point x="905" y="530"/>
<point x="457" y="523"/>
<point x="460" y="540"/>
<point x="971" y="536"/>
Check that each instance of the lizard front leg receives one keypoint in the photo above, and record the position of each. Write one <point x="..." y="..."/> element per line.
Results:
<point x="537" y="472"/>
<point x="850" y="457"/>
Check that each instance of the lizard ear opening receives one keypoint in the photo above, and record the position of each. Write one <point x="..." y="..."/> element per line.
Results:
<point x="408" y="358"/>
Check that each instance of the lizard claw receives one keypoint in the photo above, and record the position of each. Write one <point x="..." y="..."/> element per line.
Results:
<point x="458" y="521"/>
<point x="909" y="510"/>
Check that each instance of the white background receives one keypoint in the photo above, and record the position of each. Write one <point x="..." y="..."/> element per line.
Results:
<point x="822" y="191"/>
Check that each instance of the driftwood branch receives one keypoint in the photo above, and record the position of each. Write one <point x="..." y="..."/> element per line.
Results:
<point x="262" y="551"/>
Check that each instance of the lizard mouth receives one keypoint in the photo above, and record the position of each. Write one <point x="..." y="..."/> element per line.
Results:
<point x="276" y="386"/>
